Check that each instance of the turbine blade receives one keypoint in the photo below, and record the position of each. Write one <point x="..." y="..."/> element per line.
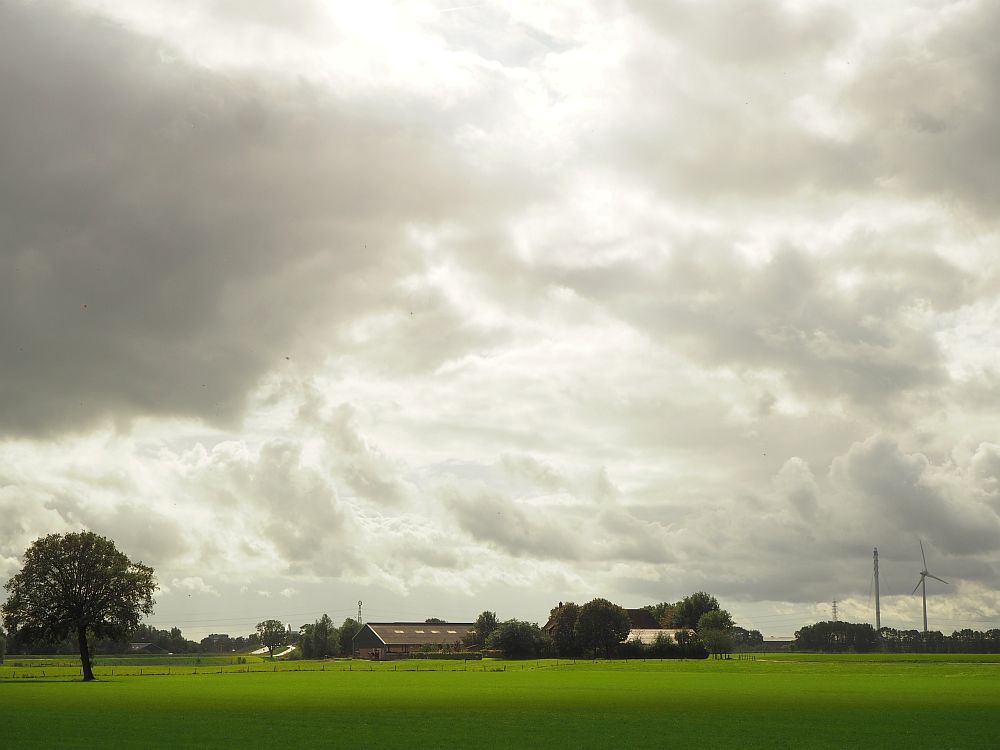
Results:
<point x="922" y="553"/>
<point x="931" y="575"/>
<point x="917" y="586"/>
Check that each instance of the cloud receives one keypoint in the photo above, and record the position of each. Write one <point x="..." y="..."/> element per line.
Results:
<point x="529" y="302"/>
<point x="170" y="229"/>
<point x="926" y="103"/>
<point x="905" y="493"/>
<point x="194" y="585"/>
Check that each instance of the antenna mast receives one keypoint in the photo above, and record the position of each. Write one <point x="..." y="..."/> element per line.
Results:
<point x="360" y="621"/>
<point x="878" y="609"/>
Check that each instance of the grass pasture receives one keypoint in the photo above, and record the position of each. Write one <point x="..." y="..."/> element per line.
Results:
<point x="777" y="701"/>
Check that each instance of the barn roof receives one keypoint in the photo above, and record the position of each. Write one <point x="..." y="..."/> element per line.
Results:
<point x="414" y="633"/>
<point x="641" y="619"/>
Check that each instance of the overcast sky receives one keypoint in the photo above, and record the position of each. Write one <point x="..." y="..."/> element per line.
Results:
<point x="450" y="306"/>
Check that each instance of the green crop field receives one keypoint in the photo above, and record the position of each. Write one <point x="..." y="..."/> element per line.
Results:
<point x="776" y="701"/>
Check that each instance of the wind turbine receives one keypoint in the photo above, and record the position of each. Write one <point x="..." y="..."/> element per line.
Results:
<point x="922" y="584"/>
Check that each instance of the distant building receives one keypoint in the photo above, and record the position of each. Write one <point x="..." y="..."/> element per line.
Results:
<point x="396" y="640"/>
<point x="777" y="643"/>
<point x="646" y="629"/>
<point x="145" y="648"/>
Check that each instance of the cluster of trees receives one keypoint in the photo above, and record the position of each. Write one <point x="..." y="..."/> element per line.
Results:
<point x="862" y="637"/>
<point x="965" y="641"/>
<point x="321" y="639"/>
<point x="597" y="627"/>
<point x="3" y="645"/>
<point x="223" y="643"/>
<point x="713" y="625"/>
<point x="837" y="636"/>
<point x="517" y="639"/>
<point x="600" y="628"/>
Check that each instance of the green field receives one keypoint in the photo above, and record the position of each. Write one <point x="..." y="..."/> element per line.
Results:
<point x="776" y="701"/>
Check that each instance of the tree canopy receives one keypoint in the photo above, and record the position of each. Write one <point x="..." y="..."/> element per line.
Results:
<point x="602" y="625"/>
<point x="78" y="584"/>
<point x="348" y="630"/>
<point x="715" y="630"/>
<point x="517" y="639"/>
<point x="272" y="634"/>
<point x="486" y="623"/>
<point x="837" y="636"/>
<point x="319" y="639"/>
<point x="563" y="630"/>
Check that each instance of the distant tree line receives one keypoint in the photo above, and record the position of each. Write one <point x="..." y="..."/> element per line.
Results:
<point x="835" y="636"/>
<point x="965" y="641"/>
<point x="861" y="638"/>
<point x="171" y="640"/>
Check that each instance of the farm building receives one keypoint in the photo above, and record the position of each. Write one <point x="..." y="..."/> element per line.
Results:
<point x="394" y="640"/>
<point x="145" y="648"/>
<point x="646" y="629"/>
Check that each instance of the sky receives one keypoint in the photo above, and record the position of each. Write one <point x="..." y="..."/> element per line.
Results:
<point x="453" y="306"/>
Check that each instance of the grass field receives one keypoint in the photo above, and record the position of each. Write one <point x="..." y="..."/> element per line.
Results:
<point x="777" y="701"/>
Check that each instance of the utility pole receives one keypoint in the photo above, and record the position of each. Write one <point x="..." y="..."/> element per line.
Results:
<point x="835" y="618"/>
<point x="878" y="608"/>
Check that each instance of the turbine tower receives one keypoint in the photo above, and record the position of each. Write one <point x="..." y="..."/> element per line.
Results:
<point x="922" y="584"/>
<point x="878" y="608"/>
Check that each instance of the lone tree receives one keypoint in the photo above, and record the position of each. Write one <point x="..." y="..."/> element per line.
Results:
<point x="272" y="634"/>
<point x="77" y="584"/>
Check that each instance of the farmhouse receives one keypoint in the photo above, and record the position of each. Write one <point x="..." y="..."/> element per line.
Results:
<point x="394" y="640"/>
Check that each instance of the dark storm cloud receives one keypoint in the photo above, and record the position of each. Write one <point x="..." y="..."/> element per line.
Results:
<point x="171" y="233"/>
<point x="899" y="493"/>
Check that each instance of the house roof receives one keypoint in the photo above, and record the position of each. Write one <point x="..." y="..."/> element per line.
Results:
<point x="415" y="633"/>
<point x="641" y="619"/>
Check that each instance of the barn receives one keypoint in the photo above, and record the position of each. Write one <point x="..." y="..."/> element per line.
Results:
<point x="396" y="640"/>
<point x="646" y="629"/>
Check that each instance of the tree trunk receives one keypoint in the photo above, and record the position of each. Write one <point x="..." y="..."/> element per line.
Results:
<point x="88" y="672"/>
